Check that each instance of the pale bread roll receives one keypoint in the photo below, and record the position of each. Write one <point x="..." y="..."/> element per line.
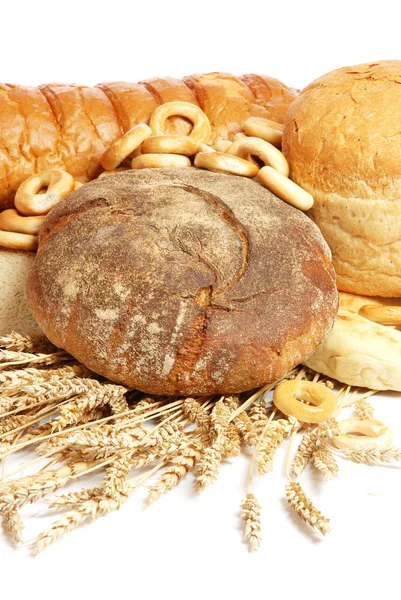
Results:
<point x="14" y="312"/>
<point x="358" y="351"/>
<point x="342" y="141"/>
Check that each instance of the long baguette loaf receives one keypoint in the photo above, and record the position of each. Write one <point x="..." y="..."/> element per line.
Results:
<point x="70" y="126"/>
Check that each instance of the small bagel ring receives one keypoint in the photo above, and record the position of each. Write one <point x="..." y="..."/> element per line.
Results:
<point x="28" y="199"/>
<point x="157" y="161"/>
<point x="11" y="220"/>
<point x="222" y="145"/>
<point x="288" y="397"/>
<point x="169" y="144"/>
<point x="263" y="128"/>
<point x="205" y="148"/>
<point x="18" y="241"/>
<point x="201" y="130"/>
<point x="232" y="149"/>
<point x="285" y="188"/>
<point x="121" y="148"/>
<point x="262" y="122"/>
<point x="384" y="315"/>
<point x="218" y="161"/>
<point x="239" y="136"/>
<point x="362" y="433"/>
<point x="266" y="152"/>
<point x="78" y="185"/>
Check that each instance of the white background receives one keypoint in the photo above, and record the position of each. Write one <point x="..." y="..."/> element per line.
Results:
<point x="188" y="546"/>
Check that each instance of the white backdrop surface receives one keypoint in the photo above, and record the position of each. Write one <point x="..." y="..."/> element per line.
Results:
<point x="187" y="545"/>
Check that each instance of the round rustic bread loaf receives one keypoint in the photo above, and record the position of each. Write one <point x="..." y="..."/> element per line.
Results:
<point x="342" y="141"/>
<point x="182" y="281"/>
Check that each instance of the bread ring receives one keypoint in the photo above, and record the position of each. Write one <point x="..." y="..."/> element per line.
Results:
<point x="18" y="241"/>
<point x="239" y="136"/>
<point x="285" y="189"/>
<point x="217" y="161"/>
<point x="385" y="315"/>
<point x="232" y="149"/>
<point x="205" y="148"/>
<point x="121" y="148"/>
<point x="266" y="152"/>
<point x="78" y="185"/>
<point x="28" y="200"/>
<point x="358" y="351"/>
<point x="263" y="128"/>
<point x="11" y="220"/>
<point x="222" y="145"/>
<point x="290" y="396"/>
<point x="201" y="125"/>
<point x="157" y="161"/>
<point x="113" y="172"/>
<point x="169" y="144"/>
<point x="362" y="433"/>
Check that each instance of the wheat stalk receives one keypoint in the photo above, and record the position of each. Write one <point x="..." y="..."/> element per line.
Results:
<point x="17" y="342"/>
<point x="16" y="493"/>
<point x="8" y="358"/>
<point x="363" y="409"/>
<point x="250" y="514"/>
<point x="373" y="455"/>
<point x="13" y="526"/>
<point x="324" y="461"/>
<point x="305" y="508"/>
<point x="208" y="466"/>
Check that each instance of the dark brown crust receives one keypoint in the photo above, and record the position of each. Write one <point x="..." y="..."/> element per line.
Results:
<point x="70" y="126"/>
<point x="182" y="281"/>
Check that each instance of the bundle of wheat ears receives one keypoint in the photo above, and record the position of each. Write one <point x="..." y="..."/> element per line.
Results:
<point x="75" y="422"/>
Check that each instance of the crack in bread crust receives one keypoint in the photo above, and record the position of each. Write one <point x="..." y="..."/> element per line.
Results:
<point x="227" y="215"/>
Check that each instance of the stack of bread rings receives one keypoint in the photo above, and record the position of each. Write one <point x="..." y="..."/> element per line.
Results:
<point x="255" y="152"/>
<point x="311" y="402"/>
<point x="35" y="197"/>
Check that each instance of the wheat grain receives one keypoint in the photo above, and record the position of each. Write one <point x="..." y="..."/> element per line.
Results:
<point x="288" y="425"/>
<point x="305" y="508"/>
<point x="231" y="441"/>
<point x="250" y="514"/>
<point x="219" y="419"/>
<point x="182" y="464"/>
<point x="168" y="480"/>
<point x="363" y="409"/>
<point x="325" y="462"/>
<point x="17" y="493"/>
<point x="70" y="500"/>
<point x="13" y="526"/>
<point x="116" y="474"/>
<point x="197" y="414"/>
<point x="208" y="466"/>
<point x="232" y="402"/>
<point x="309" y="444"/>
<point x="8" y="424"/>
<point x="267" y="447"/>
<point x="95" y="396"/>
<point x="373" y="455"/>
<point x="11" y="382"/>
<point x="258" y="415"/>
<point x="93" y="508"/>
<point x="246" y="429"/>
<point x="17" y="342"/>
<point x="305" y="450"/>
<point x="9" y="358"/>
